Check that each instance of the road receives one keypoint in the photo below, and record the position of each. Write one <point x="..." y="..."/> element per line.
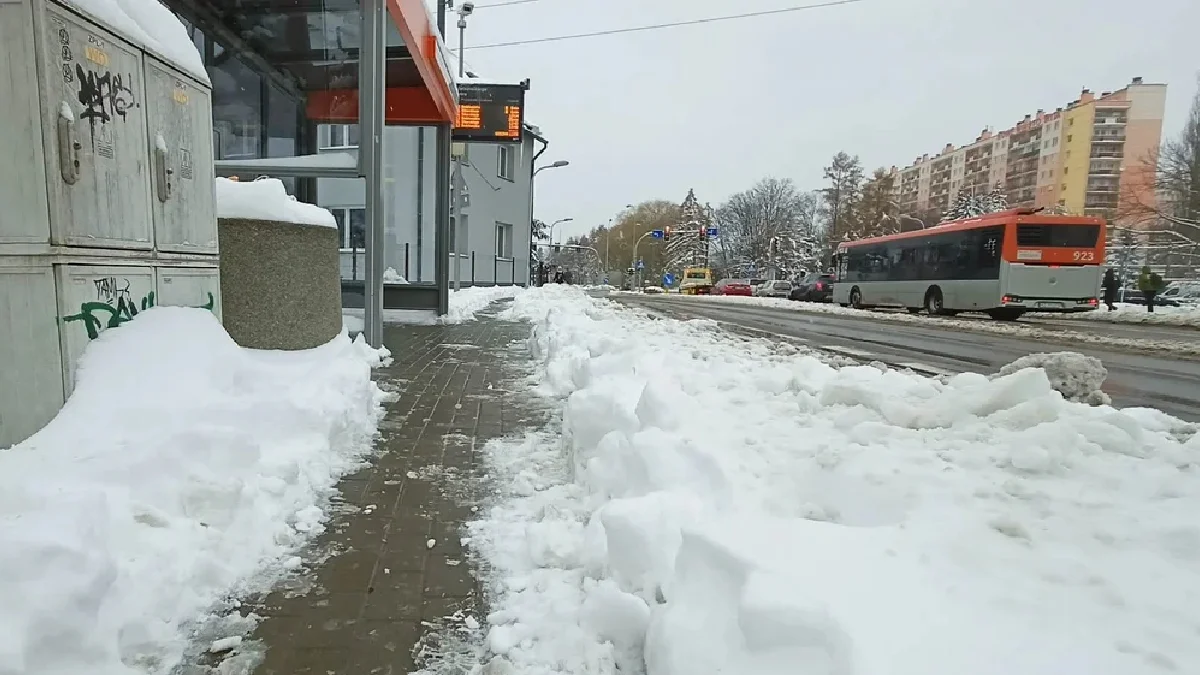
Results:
<point x="1168" y="383"/>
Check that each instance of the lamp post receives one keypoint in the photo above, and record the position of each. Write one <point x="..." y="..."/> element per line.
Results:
<point x="456" y="191"/>
<point x="560" y="220"/>
<point x="560" y="163"/>
<point x="532" y="175"/>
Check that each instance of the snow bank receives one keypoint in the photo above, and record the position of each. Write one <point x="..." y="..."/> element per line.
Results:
<point x="715" y="505"/>
<point x="391" y="276"/>
<point x="183" y="470"/>
<point x="1023" y="329"/>
<point x="466" y="303"/>
<point x="150" y="25"/>
<point x="1075" y="376"/>
<point x="267" y="199"/>
<point x="1161" y="316"/>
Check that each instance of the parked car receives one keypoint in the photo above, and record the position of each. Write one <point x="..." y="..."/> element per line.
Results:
<point x="774" y="289"/>
<point x="654" y="289"/>
<point x="733" y="287"/>
<point x="1184" y="294"/>
<point x="815" y="288"/>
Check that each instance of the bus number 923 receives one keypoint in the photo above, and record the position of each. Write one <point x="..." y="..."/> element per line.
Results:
<point x="1003" y="264"/>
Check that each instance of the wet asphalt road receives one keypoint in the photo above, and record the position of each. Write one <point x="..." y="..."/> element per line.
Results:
<point x="1169" y="383"/>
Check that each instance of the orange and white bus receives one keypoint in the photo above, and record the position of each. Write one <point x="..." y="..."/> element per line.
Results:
<point x="1003" y="264"/>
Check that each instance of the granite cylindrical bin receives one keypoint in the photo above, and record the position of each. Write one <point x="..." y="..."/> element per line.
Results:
<point x="280" y="283"/>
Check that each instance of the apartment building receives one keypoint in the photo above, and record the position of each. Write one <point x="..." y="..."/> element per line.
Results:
<point x="1085" y="157"/>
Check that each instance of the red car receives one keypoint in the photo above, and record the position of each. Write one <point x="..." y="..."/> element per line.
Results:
<point x="733" y="287"/>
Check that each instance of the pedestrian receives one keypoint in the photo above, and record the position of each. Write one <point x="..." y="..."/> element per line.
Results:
<point x="1111" y="285"/>
<point x="1150" y="284"/>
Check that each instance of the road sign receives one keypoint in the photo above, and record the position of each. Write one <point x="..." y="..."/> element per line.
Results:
<point x="712" y="231"/>
<point x="668" y="279"/>
<point x="641" y="265"/>
<point x="657" y="234"/>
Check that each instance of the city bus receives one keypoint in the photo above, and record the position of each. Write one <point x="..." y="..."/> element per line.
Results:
<point x="1003" y="264"/>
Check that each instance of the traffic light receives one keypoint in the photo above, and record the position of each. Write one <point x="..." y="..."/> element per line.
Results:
<point x="703" y="233"/>
<point x="667" y="233"/>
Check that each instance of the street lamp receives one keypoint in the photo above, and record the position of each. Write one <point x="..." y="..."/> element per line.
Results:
<point x="556" y="222"/>
<point x="560" y="163"/>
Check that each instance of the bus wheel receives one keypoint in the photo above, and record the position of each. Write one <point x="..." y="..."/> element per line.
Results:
<point x="1005" y="314"/>
<point x="933" y="302"/>
<point x="856" y="298"/>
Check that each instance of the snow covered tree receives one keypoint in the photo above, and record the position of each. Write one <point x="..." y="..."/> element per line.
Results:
<point x="877" y="212"/>
<point x="771" y="226"/>
<point x="967" y="205"/>
<point x="687" y="248"/>
<point x="996" y="200"/>
<point x="842" y="197"/>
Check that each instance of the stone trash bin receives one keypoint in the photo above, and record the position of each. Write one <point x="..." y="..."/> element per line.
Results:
<point x="280" y="270"/>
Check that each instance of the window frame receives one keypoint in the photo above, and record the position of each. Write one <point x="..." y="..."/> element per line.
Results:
<point x="506" y="162"/>
<point x="341" y="215"/>
<point x="505" y="250"/>
<point x="327" y="137"/>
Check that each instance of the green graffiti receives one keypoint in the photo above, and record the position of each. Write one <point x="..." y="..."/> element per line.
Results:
<point x="113" y="312"/>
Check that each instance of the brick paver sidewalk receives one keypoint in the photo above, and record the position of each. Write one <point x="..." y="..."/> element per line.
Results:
<point x="362" y="610"/>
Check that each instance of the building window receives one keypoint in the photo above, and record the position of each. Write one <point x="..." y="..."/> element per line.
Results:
<point x="504" y="241"/>
<point x="506" y="162"/>
<point x="339" y="136"/>
<point x="352" y="226"/>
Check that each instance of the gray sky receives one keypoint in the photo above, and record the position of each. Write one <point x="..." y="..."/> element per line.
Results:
<point x="716" y="107"/>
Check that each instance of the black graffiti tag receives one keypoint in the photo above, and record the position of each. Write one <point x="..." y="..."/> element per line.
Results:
<point x="103" y="96"/>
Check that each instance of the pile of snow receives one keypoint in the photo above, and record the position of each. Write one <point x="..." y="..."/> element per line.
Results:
<point x="391" y="276"/>
<point x="151" y="26"/>
<point x="715" y="505"/>
<point x="182" y="471"/>
<point x="1075" y="376"/>
<point x="466" y="303"/>
<point x="1161" y="316"/>
<point x="267" y="199"/>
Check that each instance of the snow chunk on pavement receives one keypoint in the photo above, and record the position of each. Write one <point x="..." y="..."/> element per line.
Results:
<point x="467" y="302"/>
<point x="1075" y="376"/>
<point x="267" y="199"/>
<point x="775" y="514"/>
<point x="183" y="470"/>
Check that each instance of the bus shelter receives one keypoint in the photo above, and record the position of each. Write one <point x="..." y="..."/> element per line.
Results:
<point x="367" y="62"/>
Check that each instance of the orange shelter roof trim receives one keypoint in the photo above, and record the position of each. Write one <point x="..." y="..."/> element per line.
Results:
<point x="420" y="34"/>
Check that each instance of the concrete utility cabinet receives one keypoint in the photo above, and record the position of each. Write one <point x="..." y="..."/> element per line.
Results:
<point x="107" y="202"/>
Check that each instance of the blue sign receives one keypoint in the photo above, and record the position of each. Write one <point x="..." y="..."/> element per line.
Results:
<point x="657" y="234"/>
<point x="641" y="265"/>
<point x="668" y="279"/>
<point x="712" y="231"/>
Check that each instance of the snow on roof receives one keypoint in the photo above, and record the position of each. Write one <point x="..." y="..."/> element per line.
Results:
<point x="151" y="26"/>
<point x="267" y="199"/>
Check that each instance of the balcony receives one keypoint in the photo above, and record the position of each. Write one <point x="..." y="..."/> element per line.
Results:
<point x="1108" y="139"/>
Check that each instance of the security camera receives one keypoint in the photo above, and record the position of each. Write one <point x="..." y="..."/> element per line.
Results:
<point x="467" y="8"/>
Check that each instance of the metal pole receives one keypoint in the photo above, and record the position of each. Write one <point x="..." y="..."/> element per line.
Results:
<point x="371" y="122"/>
<point x="457" y="220"/>
<point x="441" y="246"/>
<point x="462" y="33"/>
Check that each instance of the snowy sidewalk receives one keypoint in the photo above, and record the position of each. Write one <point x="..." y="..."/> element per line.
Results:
<point x="388" y="587"/>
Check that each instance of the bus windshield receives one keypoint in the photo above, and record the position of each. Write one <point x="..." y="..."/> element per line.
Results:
<point x="696" y="275"/>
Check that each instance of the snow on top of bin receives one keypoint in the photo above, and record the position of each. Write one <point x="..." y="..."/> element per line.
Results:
<point x="151" y="26"/>
<point x="267" y="199"/>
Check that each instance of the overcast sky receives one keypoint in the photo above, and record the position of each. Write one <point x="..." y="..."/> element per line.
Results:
<point x="716" y="107"/>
